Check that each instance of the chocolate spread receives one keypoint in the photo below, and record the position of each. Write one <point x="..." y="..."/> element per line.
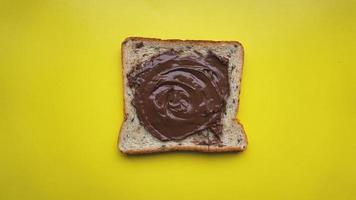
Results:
<point x="176" y="96"/>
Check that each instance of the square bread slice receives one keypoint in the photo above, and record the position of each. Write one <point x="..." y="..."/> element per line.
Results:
<point x="135" y="139"/>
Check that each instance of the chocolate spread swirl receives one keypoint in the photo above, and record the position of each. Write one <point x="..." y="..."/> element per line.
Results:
<point x="176" y="96"/>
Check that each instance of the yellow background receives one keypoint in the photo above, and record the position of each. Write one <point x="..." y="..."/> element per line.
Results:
<point x="61" y="102"/>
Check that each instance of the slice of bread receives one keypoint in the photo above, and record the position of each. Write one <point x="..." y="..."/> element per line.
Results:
<point x="135" y="139"/>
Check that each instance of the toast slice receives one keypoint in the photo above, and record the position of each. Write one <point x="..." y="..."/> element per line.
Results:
<point x="135" y="139"/>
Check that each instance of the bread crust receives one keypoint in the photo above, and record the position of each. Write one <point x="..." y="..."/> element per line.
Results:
<point x="196" y="148"/>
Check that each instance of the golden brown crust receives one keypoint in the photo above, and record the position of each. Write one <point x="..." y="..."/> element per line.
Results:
<point x="179" y="41"/>
<point x="123" y="91"/>
<point x="198" y="148"/>
<point x="242" y="56"/>
<point x="205" y="149"/>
